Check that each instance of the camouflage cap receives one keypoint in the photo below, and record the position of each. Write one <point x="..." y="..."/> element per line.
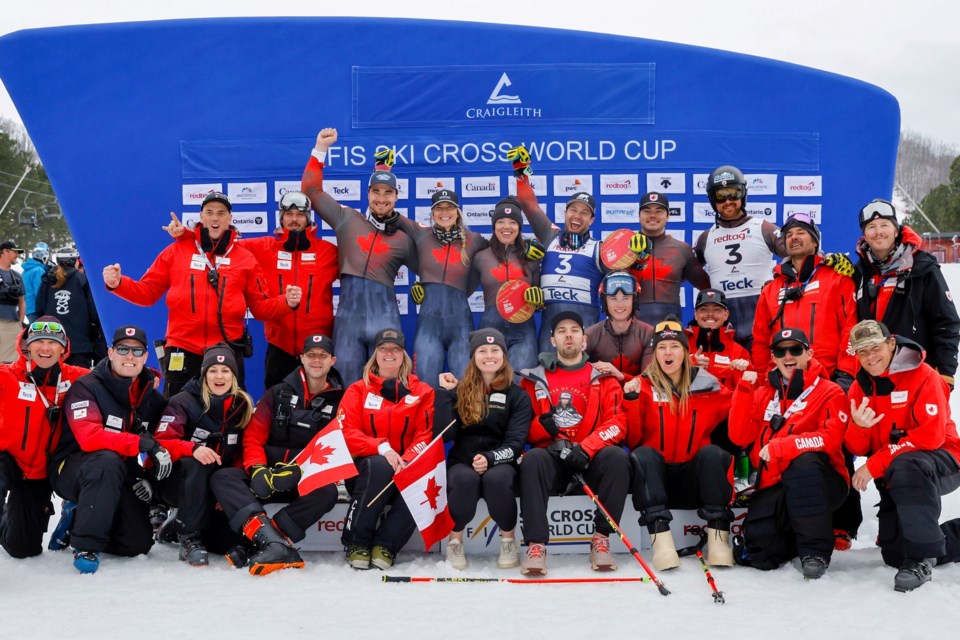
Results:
<point x="867" y="334"/>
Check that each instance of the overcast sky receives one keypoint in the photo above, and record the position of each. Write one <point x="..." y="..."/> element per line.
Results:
<point x="911" y="49"/>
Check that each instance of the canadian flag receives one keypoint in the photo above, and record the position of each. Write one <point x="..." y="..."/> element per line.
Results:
<point x="325" y="460"/>
<point x="423" y="486"/>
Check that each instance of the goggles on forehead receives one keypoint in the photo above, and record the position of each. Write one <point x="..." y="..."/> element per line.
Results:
<point x="801" y="217"/>
<point x="668" y="325"/>
<point x="46" y="326"/>
<point x="295" y="200"/>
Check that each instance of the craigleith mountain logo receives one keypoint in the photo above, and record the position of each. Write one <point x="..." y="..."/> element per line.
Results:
<point x="499" y="98"/>
<point x="503" y="105"/>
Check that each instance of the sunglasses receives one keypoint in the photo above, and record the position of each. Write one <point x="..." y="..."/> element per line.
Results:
<point x="54" y="327"/>
<point x="796" y="351"/>
<point x="295" y="200"/>
<point x="124" y="350"/>
<point x="728" y="194"/>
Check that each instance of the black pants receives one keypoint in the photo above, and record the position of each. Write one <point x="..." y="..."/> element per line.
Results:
<point x="110" y="517"/>
<point x="794" y="517"/>
<point x="364" y="525"/>
<point x="174" y="381"/>
<point x="277" y="366"/>
<point x="231" y="486"/>
<point x="497" y="486"/>
<point x="188" y="489"/>
<point x="542" y="474"/>
<point x="26" y="515"/>
<point x="909" y="513"/>
<point x="849" y="516"/>
<point x="703" y="483"/>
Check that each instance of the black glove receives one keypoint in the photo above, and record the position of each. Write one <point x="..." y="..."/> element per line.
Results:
<point x="533" y="250"/>
<point x="261" y="482"/>
<point x="548" y="424"/>
<point x="285" y="476"/>
<point x="575" y="458"/>
<point x="162" y="463"/>
<point x="393" y="390"/>
<point x="143" y="490"/>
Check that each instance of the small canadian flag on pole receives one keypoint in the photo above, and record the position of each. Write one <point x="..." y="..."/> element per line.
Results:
<point x="325" y="460"/>
<point x="423" y="486"/>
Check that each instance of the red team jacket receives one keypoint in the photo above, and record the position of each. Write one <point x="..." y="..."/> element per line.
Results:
<point x="368" y="419"/>
<point x="817" y="426"/>
<point x="915" y="399"/>
<point x="678" y="435"/>
<point x="25" y="432"/>
<point x="826" y="313"/>
<point x="603" y="419"/>
<point x="719" y="358"/>
<point x="192" y="321"/>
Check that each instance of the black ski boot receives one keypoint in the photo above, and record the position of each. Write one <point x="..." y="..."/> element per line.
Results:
<point x="192" y="550"/>
<point x="913" y="574"/>
<point x="274" y="550"/>
<point x="813" y="567"/>
<point x="239" y="556"/>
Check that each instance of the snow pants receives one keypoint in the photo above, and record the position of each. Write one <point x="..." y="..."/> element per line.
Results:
<point x="26" y="514"/>
<point x="369" y="526"/>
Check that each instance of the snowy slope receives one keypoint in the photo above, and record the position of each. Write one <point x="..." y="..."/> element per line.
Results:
<point x="159" y="597"/>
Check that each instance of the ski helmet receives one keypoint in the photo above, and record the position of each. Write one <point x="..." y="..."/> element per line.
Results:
<point x="619" y="282"/>
<point x="722" y="178"/>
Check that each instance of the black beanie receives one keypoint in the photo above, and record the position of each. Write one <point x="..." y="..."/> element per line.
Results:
<point x="509" y="207"/>
<point x="481" y="337"/>
<point x="219" y="353"/>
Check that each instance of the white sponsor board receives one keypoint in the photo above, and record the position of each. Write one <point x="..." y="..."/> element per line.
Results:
<point x="667" y="182"/>
<point x="426" y="187"/>
<point x="761" y="184"/>
<point x="247" y="192"/>
<point x="480" y="187"/>
<point x="800" y="186"/>
<point x="195" y="193"/>
<point x="613" y="184"/>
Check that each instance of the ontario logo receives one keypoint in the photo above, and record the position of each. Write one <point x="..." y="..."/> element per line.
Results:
<point x="503" y="105"/>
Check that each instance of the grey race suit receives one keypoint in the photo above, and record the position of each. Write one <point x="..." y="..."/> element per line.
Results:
<point x="521" y="337"/>
<point x="369" y="260"/>
<point x="444" y="318"/>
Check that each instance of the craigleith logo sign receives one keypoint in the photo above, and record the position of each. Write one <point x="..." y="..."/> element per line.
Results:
<point x="503" y="105"/>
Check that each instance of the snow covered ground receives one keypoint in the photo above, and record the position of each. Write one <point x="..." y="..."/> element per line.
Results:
<point x="159" y="597"/>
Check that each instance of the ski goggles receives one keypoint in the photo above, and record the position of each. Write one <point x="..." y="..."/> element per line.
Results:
<point x="728" y="194"/>
<point x="877" y="209"/>
<point x="620" y="283"/>
<point x="137" y="352"/>
<point x="780" y="352"/>
<point x="667" y="327"/>
<point x="295" y="200"/>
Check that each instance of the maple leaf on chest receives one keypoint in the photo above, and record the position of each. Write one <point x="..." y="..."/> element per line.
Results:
<point x="432" y="492"/>
<point x="372" y="242"/>
<point x="321" y="453"/>
<point x="440" y="254"/>
<point x="500" y="272"/>
<point x="655" y="266"/>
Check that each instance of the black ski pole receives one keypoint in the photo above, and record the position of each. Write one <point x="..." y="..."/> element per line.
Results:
<point x="626" y="541"/>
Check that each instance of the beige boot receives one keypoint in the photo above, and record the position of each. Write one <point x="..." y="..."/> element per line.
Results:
<point x="664" y="551"/>
<point x="719" y="553"/>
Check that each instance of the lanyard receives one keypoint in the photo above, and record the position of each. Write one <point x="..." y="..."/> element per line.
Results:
<point x="207" y="260"/>
<point x="43" y="398"/>
<point x="793" y="406"/>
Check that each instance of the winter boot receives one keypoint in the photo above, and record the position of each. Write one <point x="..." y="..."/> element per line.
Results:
<point x="719" y="553"/>
<point x="509" y="554"/>
<point x="381" y="557"/>
<point x="913" y="574"/>
<point x="535" y="564"/>
<point x="86" y="561"/>
<point x="158" y="515"/>
<point x="169" y="530"/>
<point x="664" y="551"/>
<point x="813" y="567"/>
<point x="455" y="555"/>
<point x="192" y="550"/>
<point x="60" y="538"/>
<point x="358" y="557"/>
<point x="274" y="550"/>
<point x="600" y="557"/>
<point x="239" y="556"/>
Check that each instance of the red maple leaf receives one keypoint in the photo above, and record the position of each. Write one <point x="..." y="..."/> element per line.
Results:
<point x="321" y="453"/>
<point x="372" y="242"/>
<point x="500" y="272"/>
<point x="432" y="492"/>
<point x="452" y="253"/>
<point x="655" y="267"/>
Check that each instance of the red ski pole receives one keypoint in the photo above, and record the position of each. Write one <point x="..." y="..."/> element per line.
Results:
<point x="626" y="541"/>
<point x="514" y="580"/>
<point x="717" y="595"/>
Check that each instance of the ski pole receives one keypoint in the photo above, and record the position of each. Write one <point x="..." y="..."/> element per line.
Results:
<point x="717" y="595"/>
<point x="514" y="580"/>
<point x="626" y="541"/>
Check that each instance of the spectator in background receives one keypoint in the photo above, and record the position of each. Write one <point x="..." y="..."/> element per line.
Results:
<point x="12" y="303"/>
<point x="33" y="270"/>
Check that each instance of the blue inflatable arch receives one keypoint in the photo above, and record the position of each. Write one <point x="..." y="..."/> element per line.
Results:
<point x="135" y="120"/>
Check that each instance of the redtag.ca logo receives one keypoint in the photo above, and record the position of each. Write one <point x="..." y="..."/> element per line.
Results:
<point x="624" y="185"/>
<point x="810" y="186"/>
<point x="198" y="195"/>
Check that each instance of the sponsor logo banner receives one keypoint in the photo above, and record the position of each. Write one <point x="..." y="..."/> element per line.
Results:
<point x="426" y="187"/>
<point x="761" y="184"/>
<point x="667" y="182"/>
<point x="619" y="184"/>
<point x="476" y="302"/>
<point x="763" y="210"/>
<point x="678" y="211"/>
<point x="281" y="187"/>
<point x="348" y="190"/>
<point x="700" y="183"/>
<point x="567" y="185"/>
<point x="794" y="186"/>
<point x="247" y="192"/>
<point x="538" y="182"/>
<point x="812" y="210"/>
<point x="703" y="212"/>
<point x="423" y="215"/>
<point x="195" y="193"/>
<point x="251" y="221"/>
<point x="480" y="187"/>
<point x="624" y="213"/>
<point x="475" y="214"/>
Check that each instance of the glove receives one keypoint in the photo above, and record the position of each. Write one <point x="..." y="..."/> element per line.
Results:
<point x="393" y="390"/>
<point x="143" y="490"/>
<point x="839" y="262"/>
<point x="638" y="245"/>
<point x="417" y="292"/>
<point x="384" y="159"/>
<point x="533" y="250"/>
<point x="285" y="476"/>
<point x="534" y="295"/>
<point x="520" y="158"/>
<point x="162" y="463"/>
<point x="548" y="424"/>
<point x="575" y="458"/>
<point x="261" y="482"/>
